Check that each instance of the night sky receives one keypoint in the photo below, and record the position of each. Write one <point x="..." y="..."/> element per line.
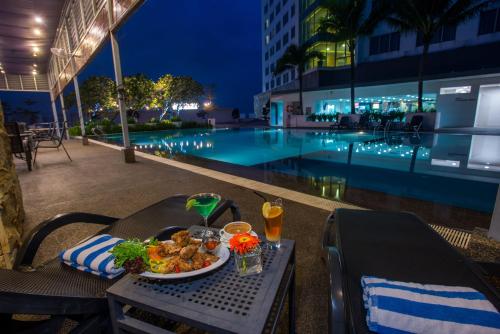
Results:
<point x="214" y="41"/>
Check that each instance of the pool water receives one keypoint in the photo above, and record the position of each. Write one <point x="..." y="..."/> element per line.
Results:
<point x="455" y="170"/>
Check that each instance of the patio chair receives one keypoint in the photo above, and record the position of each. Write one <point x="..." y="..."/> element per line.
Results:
<point x="21" y="147"/>
<point x="344" y="123"/>
<point x="393" y="245"/>
<point x="55" y="141"/>
<point x="63" y="292"/>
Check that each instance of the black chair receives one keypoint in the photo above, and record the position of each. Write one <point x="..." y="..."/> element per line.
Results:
<point x="54" y="141"/>
<point x="364" y="122"/>
<point x="20" y="147"/>
<point x="393" y="245"/>
<point x="344" y="123"/>
<point x="63" y="292"/>
<point x="415" y="123"/>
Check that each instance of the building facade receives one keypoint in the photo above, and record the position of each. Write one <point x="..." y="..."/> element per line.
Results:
<point x="462" y="73"/>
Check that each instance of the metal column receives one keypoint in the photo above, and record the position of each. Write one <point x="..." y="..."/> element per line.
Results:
<point x="65" y="119"/>
<point x="54" y="114"/>
<point x="80" y="112"/>
<point x="127" y="150"/>
<point x="494" y="231"/>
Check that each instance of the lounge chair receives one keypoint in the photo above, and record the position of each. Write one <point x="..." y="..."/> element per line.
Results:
<point x="344" y="123"/>
<point x="19" y="145"/>
<point x="55" y="141"/>
<point x="62" y="292"/>
<point x="393" y="245"/>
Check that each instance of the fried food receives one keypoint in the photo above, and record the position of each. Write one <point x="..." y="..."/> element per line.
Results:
<point x="181" y="238"/>
<point x="184" y="265"/>
<point x="168" y="249"/>
<point x="187" y="252"/>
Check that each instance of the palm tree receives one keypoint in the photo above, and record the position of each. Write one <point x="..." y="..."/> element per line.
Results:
<point x="296" y="57"/>
<point x="427" y="18"/>
<point x="345" y="22"/>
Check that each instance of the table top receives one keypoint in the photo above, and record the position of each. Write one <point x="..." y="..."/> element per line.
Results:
<point x="220" y="300"/>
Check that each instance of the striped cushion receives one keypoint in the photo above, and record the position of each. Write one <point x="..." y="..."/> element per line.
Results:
<point x="93" y="256"/>
<point x="399" y="307"/>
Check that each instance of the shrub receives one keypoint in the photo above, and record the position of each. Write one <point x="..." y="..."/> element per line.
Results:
<point x="176" y="119"/>
<point x="75" y="131"/>
<point x="131" y="120"/>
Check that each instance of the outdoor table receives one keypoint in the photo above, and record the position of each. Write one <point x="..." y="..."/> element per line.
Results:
<point x="219" y="302"/>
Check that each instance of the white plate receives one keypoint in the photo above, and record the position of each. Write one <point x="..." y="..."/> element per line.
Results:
<point x="225" y="242"/>
<point x="223" y="254"/>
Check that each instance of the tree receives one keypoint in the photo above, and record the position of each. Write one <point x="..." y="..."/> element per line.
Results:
<point x="345" y="22"/>
<point x="427" y="18"/>
<point x="138" y="91"/>
<point x="186" y="90"/>
<point x="296" y="57"/>
<point x="162" y="94"/>
<point x="98" y="97"/>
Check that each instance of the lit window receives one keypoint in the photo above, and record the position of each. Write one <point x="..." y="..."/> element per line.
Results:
<point x="267" y="39"/>
<point x="455" y="90"/>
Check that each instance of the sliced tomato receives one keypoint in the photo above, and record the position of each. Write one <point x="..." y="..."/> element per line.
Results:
<point x="206" y="263"/>
<point x="177" y="269"/>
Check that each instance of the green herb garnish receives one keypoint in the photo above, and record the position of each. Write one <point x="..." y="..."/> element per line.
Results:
<point x="130" y="250"/>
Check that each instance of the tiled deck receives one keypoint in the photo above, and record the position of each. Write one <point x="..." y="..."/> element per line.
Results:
<point x="99" y="181"/>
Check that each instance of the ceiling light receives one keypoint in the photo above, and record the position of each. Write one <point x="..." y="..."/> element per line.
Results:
<point x="35" y="54"/>
<point x="34" y="72"/>
<point x="2" y="71"/>
<point x="36" y="48"/>
<point x="37" y="31"/>
<point x="38" y="19"/>
<point x="35" y="65"/>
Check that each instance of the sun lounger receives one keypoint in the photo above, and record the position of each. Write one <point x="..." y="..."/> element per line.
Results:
<point x="393" y="245"/>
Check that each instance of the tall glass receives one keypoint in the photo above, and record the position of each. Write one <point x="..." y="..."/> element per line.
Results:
<point x="204" y="204"/>
<point x="273" y="218"/>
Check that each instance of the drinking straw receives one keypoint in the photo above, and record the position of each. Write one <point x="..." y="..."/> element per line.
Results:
<point x="260" y="195"/>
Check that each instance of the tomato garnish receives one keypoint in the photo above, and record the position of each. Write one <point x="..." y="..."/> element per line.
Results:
<point x="177" y="269"/>
<point x="206" y="263"/>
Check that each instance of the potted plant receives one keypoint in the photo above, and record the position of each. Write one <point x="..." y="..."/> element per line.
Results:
<point x="247" y="253"/>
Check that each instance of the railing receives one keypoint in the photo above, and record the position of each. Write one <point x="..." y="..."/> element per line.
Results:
<point x="24" y="82"/>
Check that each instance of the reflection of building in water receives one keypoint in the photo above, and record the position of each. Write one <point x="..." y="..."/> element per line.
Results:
<point x="328" y="186"/>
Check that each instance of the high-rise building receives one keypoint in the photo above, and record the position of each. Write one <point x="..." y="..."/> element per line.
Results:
<point x="463" y="59"/>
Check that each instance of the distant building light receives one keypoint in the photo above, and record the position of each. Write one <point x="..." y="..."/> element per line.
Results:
<point x="185" y="106"/>
<point x="455" y="90"/>
<point x="38" y="19"/>
<point x="37" y="31"/>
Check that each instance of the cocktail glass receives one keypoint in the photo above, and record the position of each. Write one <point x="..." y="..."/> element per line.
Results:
<point x="204" y="204"/>
<point x="273" y="218"/>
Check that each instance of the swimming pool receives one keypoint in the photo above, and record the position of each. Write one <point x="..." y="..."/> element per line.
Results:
<point x="454" y="176"/>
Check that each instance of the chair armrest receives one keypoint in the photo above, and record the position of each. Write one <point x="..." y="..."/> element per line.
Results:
<point x="227" y="204"/>
<point x="336" y="309"/>
<point x="326" y="231"/>
<point x="32" y="242"/>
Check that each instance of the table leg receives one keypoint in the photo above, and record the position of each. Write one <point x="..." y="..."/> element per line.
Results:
<point x="115" y="313"/>
<point x="292" y="297"/>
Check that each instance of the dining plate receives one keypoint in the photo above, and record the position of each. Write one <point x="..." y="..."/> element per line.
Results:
<point x="223" y="254"/>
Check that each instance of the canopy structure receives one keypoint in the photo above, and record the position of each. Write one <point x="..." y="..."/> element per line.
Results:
<point x="45" y="44"/>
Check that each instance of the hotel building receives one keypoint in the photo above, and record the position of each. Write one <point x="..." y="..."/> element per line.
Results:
<point x="462" y="71"/>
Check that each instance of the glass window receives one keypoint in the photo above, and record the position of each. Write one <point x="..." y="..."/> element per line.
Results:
<point x="284" y="2"/>
<point x="334" y="55"/>
<point x="266" y="55"/>
<point x="271" y="2"/>
<point x="292" y="32"/>
<point x="306" y="3"/>
<point x="278" y="46"/>
<point x="271" y="17"/>
<point x="266" y="8"/>
<point x="278" y="8"/>
<point x="267" y="39"/>
<point x="487" y="20"/>
<point x="285" y="18"/>
<point x="273" y="67"/>
<point x="278" y="81"/>
<point x="271" y="50"/>
<point x="384" y="43"/>
<point x="285" y="78"/>
<point x="292" y="74"/>
<point x="272" y="84"/>
<point x="285" y="39"/>
<point x="311" y="23"/>
<point x="267" y="85"/>
<point x="292" y="10"/>
<point x="278" y="27"/>
<point x="447" y="33"/>
<point x="267" y="70"/>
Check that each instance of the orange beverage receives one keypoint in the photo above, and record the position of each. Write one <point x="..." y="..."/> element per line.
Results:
<point x="273" y="217"/>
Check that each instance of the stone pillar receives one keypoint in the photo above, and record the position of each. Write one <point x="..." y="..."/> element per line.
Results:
<point x="494" y="231"/>
<point x="11" y="202"/>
